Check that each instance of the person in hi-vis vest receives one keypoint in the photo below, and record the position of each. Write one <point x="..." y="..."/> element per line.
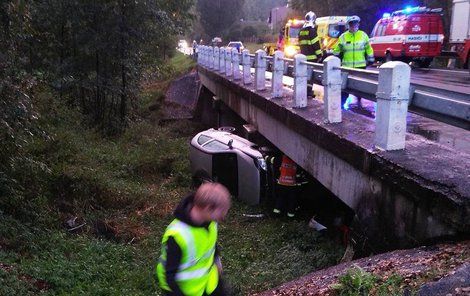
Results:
<point x="189" y="263"/>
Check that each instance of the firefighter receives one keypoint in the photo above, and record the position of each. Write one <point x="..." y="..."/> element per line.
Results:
<point x="354" y="48"/>
<point x="308" y="39"/>
<point x="289" y="183"/>
<point x="310" y="43"/>
<point x="189" y="263"/>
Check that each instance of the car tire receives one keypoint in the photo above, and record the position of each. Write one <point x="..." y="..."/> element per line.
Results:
<point x="388" y="57"/>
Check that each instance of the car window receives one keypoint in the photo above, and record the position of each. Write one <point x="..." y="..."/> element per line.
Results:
<point x="335" y="30"/>
<point x="203" y="139"/>
<point x="215" y="146"/>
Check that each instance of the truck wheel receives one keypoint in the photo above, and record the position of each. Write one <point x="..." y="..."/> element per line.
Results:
<point x="388" y="57"/>
<point x="425" y="63"/>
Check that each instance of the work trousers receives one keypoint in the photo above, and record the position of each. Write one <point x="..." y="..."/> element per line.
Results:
<point x="287" y="198"/>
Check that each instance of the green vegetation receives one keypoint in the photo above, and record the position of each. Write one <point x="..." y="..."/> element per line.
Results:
<point x="122" y="190"/>
<point x="357" y="282"/>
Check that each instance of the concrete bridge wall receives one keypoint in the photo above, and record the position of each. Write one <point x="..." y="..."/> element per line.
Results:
<point x="396" y="206"/>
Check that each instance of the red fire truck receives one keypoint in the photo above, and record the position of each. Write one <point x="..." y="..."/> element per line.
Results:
<point x="459" y="40"/>
<point x="412" y="34"/>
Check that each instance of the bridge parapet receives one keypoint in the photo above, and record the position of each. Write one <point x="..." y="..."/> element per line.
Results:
<point x="392" y="95"/>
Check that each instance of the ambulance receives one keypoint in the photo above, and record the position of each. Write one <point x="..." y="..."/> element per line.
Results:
<point x="412" y="34"/>
<point x="329" y="28"/>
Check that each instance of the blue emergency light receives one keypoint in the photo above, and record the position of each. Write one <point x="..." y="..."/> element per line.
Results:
<point x="386" y="14"/>
<point x="409" y="9"/>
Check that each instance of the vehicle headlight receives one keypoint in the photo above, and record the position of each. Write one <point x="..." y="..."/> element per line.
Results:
<point x="290" y="51"/>
<point x="262" y="164"/>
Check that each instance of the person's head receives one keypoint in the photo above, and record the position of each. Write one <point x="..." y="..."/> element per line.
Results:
<point x="310" y="17"/>
<point x="353" y="23"/>
<point x="211" y="202"/>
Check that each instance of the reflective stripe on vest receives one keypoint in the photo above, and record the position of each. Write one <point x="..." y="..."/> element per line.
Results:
<point x="288" y="170"/>
<point x="355" y="47"/>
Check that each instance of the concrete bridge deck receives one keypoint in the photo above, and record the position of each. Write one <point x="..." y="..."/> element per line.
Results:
<point x="401" y="197"/>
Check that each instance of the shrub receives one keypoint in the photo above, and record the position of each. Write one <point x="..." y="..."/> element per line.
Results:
<point x="356" y="282"/>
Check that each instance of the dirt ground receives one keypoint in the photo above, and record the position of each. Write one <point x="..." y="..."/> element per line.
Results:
<point x="416" y="267"/>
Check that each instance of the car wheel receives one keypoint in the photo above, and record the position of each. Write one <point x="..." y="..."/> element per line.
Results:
<point x="388" y="57"/>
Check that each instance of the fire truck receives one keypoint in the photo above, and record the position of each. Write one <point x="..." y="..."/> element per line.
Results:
<point x="412" y="34"/>
<point x="459" y="40"/>
<point x="288" y="40"/>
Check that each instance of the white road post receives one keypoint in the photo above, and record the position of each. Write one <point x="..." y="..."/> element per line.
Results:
<point x="235" y="64"/>
<point x="392" y="105"/>
<point x="211" y="57"/>
<point x="222" y="60"/>
<point x="332" y="89"/>
<point x="277" y="86"/>
<point x="246" y="62"/>
<point x="300" y="81"/>
<point x="204" y="56"/>
<point x="260" y="70"/>
<point x="216" y="58"/>
<point x="199" y="55"/>
<point x="228" y="62"/>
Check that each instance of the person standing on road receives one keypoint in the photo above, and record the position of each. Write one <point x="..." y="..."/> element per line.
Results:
<point x="189" y="263"/>
<point x="310" y="42"/>
<point x="354" y="49"/>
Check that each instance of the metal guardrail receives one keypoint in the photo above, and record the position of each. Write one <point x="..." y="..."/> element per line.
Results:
<point x="394" y="87"/>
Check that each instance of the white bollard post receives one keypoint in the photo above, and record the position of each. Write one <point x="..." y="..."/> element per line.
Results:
<point x="392" y="105"/>
<point x="277" y="86"/>
<point x="260" y="70"/>
<point x="246" y="62"/>
<point x="332" y="89"/>
<point x="216" y="58"/>
<point x="199" y="55"/>
<point x="222" y="60"/>
<point x="235" y="64"/>
<point x="228" y="62"/>
<point x="300" y="81"/>
<point x="204" y="56"/>
<point x="211" y="57"/>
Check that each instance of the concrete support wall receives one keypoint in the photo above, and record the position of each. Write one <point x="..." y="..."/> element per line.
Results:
<point x="388" y="216"/>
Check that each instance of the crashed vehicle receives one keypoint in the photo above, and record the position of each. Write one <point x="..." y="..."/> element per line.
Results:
<point x="218" y="155"/>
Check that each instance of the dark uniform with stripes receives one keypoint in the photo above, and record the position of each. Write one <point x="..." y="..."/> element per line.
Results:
<point x="310" y="43"/>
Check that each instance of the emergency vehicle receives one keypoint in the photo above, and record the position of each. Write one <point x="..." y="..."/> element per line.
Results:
<point x="329" y="28"/>
<point x="288" y="40"/>
<point x="459" y="40"/>
<point x="412" y="34"/>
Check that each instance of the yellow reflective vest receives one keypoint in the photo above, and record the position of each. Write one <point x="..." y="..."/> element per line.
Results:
<point x="197" y="273"/>
<point x="355" y="48"/>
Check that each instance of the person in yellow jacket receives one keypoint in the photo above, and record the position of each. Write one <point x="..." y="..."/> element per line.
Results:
<point x="189" y="263"/>
<point x="354" y="48"/>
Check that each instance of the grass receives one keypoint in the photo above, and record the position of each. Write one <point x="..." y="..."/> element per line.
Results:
<point x="122" y="190"/>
